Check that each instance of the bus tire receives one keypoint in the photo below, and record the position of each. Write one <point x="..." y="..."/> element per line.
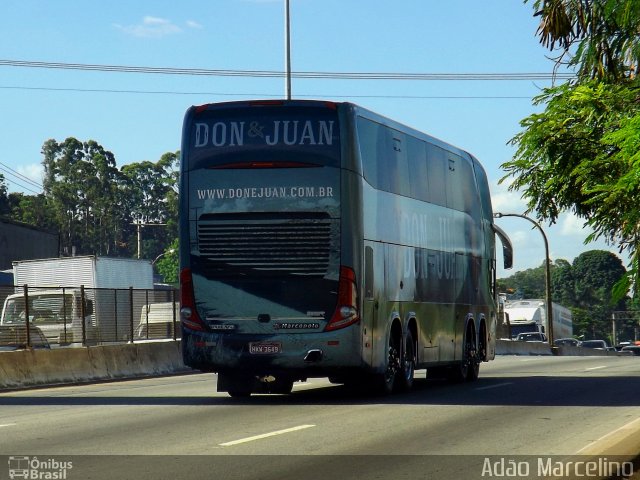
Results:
<point x="469" y="367"/>
<point x="385" y="382"/>
<point x="405" y="377"/>
<point x="473" y="359"/>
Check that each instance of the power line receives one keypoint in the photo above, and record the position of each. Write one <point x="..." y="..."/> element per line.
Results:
<point x="279" y="74"/>
<point x="24" y="187"/>
<point x="223" y="94"/>
<point x="15" y="173"/>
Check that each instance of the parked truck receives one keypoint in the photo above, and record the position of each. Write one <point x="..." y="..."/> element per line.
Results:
<point x="57" y="313"/>
<point x="531" y="316"/>
<point x="63" y="293"/>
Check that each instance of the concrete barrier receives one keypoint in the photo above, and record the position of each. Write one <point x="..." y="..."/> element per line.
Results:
<point x="508" y="347"/>
<point x="27" y="368"/>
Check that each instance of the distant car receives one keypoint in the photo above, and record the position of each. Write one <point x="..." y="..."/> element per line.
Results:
<point x="531" y="337"/>
<point x="631" y="350"/>
<point x="562" y="342"/>
<point x="598" y="344"/>
<point x="622" y="344"/>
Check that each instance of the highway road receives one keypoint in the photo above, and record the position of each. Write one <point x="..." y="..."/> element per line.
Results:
<point x="522" y="409"/>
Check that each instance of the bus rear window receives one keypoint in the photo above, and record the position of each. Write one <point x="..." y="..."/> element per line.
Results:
<point x="284" y="135"/>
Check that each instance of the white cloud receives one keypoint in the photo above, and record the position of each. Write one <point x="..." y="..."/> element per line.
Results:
<point x="193" y="24"/>
<point x="151" y="27"/>
<point x="505" y="201"/>
<point x="33" y="171"/>
<point x="574" y="226"/>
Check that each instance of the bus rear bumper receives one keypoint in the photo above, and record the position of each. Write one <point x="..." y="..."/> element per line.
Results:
<point x="297" y="355"/>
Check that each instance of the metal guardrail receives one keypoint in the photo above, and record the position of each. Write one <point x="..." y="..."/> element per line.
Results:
<point x="79" y="316"/>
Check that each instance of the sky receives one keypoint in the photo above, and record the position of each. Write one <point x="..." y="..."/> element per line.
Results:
<point x="138" y="116"/>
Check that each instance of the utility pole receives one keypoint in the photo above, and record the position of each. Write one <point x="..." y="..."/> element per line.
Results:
<point x="139" y="226"/>
<point x="287" y="48"/>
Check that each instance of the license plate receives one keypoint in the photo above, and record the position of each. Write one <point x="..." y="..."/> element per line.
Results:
<point x="265" y="348"/>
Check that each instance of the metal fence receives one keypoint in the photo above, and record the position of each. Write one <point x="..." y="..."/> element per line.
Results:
<point x="79" y="316"/>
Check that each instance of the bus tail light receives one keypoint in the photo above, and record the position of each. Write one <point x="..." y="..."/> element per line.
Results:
<point x="188" y="313"/>
<point x="346" y="312"/>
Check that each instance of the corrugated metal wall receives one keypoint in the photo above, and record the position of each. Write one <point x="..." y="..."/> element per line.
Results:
<point x="55" y="272"/>
<point x="90" y="271"/>
<point x="123" y="273"/>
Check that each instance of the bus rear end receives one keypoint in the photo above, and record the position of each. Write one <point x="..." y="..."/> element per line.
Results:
<point x="265" y="299"/>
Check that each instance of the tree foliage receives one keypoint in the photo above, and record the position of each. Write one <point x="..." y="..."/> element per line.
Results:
<point x="4" y="198"/>
<point x="81" y="181"/>
<point x="95" y="206"/>
<point x="599" y="37"/>
<point x="168" y="265"/>
<point x="528" y="283"/>
<point x="584" y="286"/>
<point x="595" y="273"/>
<point x="572" y="157"/>
<point x="581" y="153"/>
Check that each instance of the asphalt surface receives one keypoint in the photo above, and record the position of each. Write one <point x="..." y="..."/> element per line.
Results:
<point x="537" y="411"/>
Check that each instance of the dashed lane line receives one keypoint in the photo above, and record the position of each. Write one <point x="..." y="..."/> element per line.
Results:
<point x="265" y="435"/>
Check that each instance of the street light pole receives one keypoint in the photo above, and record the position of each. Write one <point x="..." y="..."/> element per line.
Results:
<point x="287" y="49"/>
<point x="549" y="304"/>
<point x="171" y="250"/>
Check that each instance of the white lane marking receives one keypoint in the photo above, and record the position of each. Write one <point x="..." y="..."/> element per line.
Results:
<point x="497" y="385"/>
<point x="628" y="426"/>
<point x="595" y="368"/>
<point x="7" y="425"/>
<point x="266" y="435"/>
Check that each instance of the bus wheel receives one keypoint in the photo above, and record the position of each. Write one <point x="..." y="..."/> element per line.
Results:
<point x="474" y="370"/>
<point x="469" y="367"/>
<point x="405" y="382"/>
<point x="386" y="381"/>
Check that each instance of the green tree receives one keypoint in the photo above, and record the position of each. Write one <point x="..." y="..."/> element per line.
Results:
<point x="81" y="181"/>
<point x="581" y="153"/>
<point x="61" y="184"/>
<point x="584" y="286"/>
<point x="151" y="194"/>
<point x="94" y="205"/>
<point x="5" y="207"/>
<point x="167" y="265"/>
<point x="599" y="37"/>
<point x="528" y="283"/>
<point x="32" y="209"/>
<point x="562" y="283"/>
<point x="595" y="273"/>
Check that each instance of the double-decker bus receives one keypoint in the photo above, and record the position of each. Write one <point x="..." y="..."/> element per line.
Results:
<point x="318" y="239"/>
